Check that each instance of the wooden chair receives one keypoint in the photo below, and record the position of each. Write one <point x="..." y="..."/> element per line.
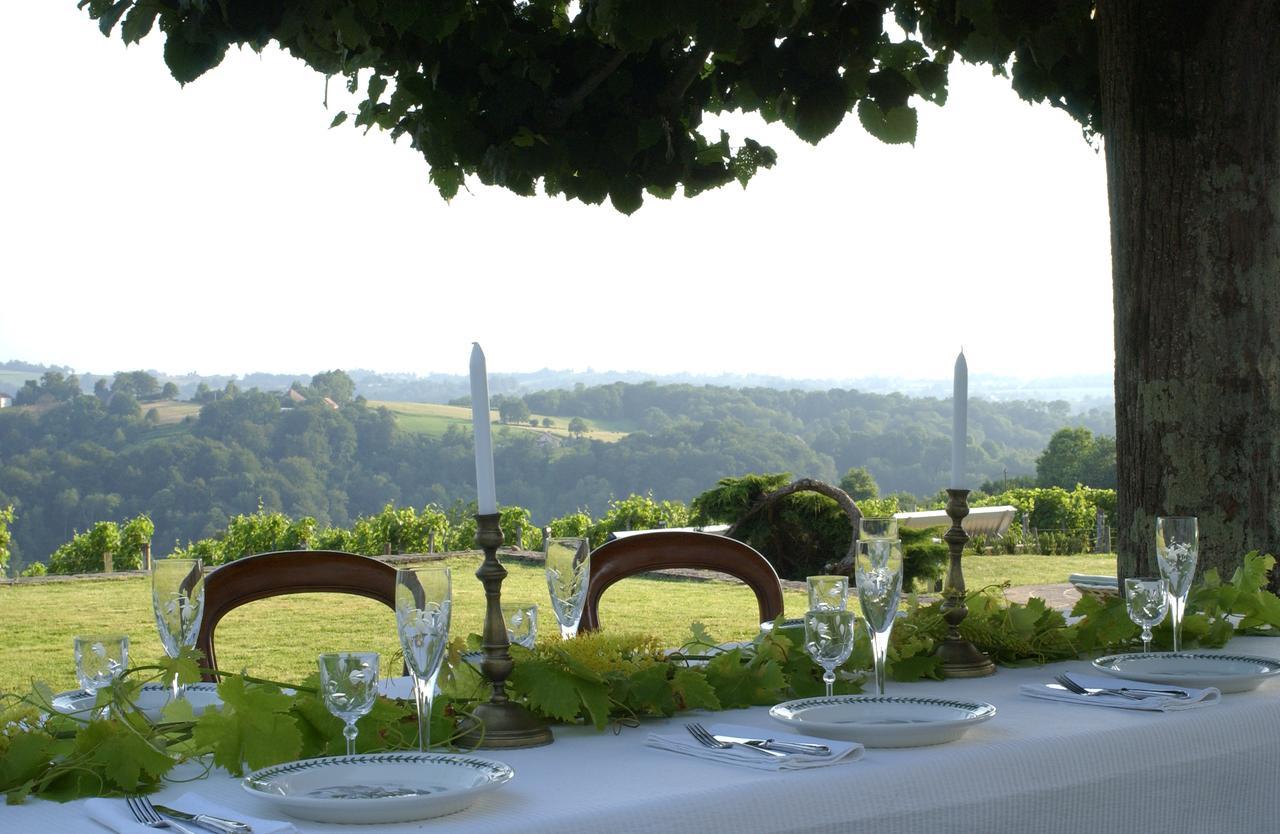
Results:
<point x="660" y="550"/>
<point x="289" y="572"/>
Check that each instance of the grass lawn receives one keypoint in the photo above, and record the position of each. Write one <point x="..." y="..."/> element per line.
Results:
<point x="434" y="419"/>
<point x="280" y="638"/>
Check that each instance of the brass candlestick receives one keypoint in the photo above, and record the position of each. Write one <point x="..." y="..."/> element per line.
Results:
<point x="960" y="658"/>
<point x="500" y="722"/>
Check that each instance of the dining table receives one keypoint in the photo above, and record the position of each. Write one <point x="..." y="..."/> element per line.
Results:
<point x="1037" y="766"/>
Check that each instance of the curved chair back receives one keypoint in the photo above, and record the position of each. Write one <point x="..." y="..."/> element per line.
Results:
<point x="289" y="572"/>
<point x="661" y="550"/>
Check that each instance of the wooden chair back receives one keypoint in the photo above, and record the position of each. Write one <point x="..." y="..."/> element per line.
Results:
<point x="289" y="572"/>
<point x="662" y="550"/>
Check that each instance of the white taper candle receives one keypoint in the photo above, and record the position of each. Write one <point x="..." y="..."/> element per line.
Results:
<point x="486" y="492"/>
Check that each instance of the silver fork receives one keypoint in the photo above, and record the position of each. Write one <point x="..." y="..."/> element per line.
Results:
<point x="1071" y="686"/>
<point x="146" y="814"/>
<point x="705" y="738"/>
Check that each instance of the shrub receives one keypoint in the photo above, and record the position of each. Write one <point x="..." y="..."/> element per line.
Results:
<point x="35" y="569"/>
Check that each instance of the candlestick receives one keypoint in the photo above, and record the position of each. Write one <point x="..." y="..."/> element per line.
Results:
<point x="960" y="658"/>
<point x="486" y="492"/>
<point x="959" y="420"/>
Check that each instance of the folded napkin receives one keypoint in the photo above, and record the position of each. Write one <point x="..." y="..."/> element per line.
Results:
<point x="682" y="742"/>
<point x="1152" y="703"/>
<point x="115" y="814"/>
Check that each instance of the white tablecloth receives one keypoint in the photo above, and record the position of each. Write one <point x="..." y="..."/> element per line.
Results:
<point x="1037" y="766"/>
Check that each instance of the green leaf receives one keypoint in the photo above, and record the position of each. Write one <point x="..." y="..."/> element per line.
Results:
<point x="692" y="691"/>
<point x="338" y="119"/>
<point x="819" y="111"/>
<point x="27" y="755"/>
<point x="111" y="16"/>
<point x="896" y="127"/>
<point x="123" y="757"/>
<point x="255" y="727"/>
<point x="188" y="60"/>
<point x="138" y="22"/>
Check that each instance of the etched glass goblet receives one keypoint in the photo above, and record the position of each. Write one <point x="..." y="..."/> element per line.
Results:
<point x="522" y="623"/>
<point x="828" y="592"/>
<point x="877" y="528"/>
<point x="349" y="686"/>
<point x="1177" y="550"/>
<point x="568" y="568"/>
<point x="828" y="638"/>
<point x="100" y="659"/>
<point x="424" y="605"/>
<point x="1147" y="601"/>
<point x="878" y="572"/>
<point x="177" y="598"/>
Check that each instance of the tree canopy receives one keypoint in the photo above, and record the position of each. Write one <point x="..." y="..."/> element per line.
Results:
<point x="607" y="98"/>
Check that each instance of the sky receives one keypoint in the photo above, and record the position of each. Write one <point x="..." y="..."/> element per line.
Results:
<point x="223" y="228"/>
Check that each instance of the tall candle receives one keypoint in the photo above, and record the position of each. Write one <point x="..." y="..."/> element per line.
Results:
<point x="485" y="490"/>
<point x="959" y="421"/>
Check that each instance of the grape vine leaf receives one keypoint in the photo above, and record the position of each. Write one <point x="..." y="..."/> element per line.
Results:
<point x="560" y="694"/>
<point x="21" y="763"/>
<point x="255" y="727"/>
<point x="692" y="691"/>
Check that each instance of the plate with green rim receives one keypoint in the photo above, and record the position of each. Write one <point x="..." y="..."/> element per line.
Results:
<point x="883" y="720"/>
<point x="1197" y="670"/>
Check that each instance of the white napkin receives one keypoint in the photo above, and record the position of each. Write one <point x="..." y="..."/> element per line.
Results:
<point x="682" y="742"/>
<point x="1155" y="703"/>
<point x="115" y="814"/>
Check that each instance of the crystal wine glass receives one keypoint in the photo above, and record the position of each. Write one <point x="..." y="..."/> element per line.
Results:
<point x="522" y="623"/>
<point x="1177" y="549"/>
<point x="177" y="596"/>
<point x="877" y="528"/>
<point x="424" y="603"/>
<point x="827" y="592"/>
<point x="828" y="638"/>
<point x="878" y="572"/>
<point x="349" y="685"/>
<point x="100" y="659"/>
<point x="568" y="567"/>
<point x="1147" y="602"/>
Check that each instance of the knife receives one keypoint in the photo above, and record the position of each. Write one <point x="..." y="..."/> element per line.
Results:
<point x="218" y="824"/>
<point x="780" y="746"/>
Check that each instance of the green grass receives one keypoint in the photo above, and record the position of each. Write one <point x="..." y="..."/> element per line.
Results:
<point x="434" y="419"/>
<point x="11" y="381"/>
<point x="1029" y="569"/>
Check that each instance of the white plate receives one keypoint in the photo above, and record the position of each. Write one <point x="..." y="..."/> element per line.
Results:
<point x="1199" y="670"/>
<point x="376" y="787"/>
<point x="150" y="701"/>
<point x="883" y="720"/>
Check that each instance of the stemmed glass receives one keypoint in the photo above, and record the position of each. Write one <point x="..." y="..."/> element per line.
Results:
<point x="349" y="685"/>
<point x="100" y="659"/>
<point x="877" y="528"/>
<point x="522" y="623"/>
<point x="568" y="567"/>
<point x="826" y="592"/>
<point x="177" y="596"/>
<point x="828" y="638"/>
<point x="878" y="572"/>
<point x="1177" y="549"/>
<point x="424" y="603"/>
<point x="1147" y="602"/>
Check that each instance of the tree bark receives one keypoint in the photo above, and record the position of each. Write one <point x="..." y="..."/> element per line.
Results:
<point x="1191" y="120"/>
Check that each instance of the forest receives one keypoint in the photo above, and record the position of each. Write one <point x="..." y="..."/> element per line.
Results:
<point x="69" y="460"/>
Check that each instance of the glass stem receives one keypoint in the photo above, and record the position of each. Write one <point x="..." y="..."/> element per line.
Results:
<point x="175" y="689"/>
<point x="424" y="692"/>
<point x="1177" y="604"/>
<point x="350" y="732"/>
<point x="879" y="651"/>
<point x="568" y="632"/>
<point x="829" y="678"/>
<point x="1146" y="638"/>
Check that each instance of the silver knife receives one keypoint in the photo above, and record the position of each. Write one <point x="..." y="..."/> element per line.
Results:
<point x="218" y="824"/>
<point x="780" y="746"/>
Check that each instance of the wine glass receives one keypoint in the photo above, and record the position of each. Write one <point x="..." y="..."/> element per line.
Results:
<point x="568" y="567"/>
<point x="349" y="685"/>
<point x="424" y="603"/>
<point x="877" y="528"/>
<point x="1177" y="549"/>
<point x="522" y="623"/>
<point x="878" y="572"/>
<point x="100" y="659"/>
<point x="828" y="638"/>
<point x="1147" y="602"/>
<point x="177" y="596"/>
<point x="826" y="592"/>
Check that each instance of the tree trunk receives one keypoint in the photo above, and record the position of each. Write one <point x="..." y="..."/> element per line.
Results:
<point x="1191" y="120"/>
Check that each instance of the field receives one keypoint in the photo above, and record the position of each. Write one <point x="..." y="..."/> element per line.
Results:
<point x="434" y="419"/>
<point x="280" y="638"/>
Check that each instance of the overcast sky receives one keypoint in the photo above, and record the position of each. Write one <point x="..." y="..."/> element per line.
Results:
<point x="222" y="228"/>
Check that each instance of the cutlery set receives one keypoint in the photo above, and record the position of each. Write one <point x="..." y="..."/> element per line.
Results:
<point x="150" y="816"/>
<point x="766" y="746"/>
<point x="1130" y="692"/>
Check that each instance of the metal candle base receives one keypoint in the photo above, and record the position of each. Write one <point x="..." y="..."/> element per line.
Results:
<point x="960" y="658"/>
<point x="500" y="722"/>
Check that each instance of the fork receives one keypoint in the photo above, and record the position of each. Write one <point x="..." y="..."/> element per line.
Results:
<point x="145" y="813"/>
<point x="705" y="738"/>
<point x="1071" y="686"/>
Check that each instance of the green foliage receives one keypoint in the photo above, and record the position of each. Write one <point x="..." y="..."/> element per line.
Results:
<point x="335" y="384"/>
<point x="53" y="386"/>
<point x="513" y="410"/>
<point x="860" y="485"/>
<point x="574" y="524"/>
<point x="638" y="512"/>
<point x="1054" y="508"/>
<point x="35" y="569"/>
<point x="85" y="553"/>
<point x="6" y="518"/>
<point x="1075" y="456"/>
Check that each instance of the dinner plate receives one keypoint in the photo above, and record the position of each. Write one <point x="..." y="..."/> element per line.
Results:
<point x="150" y="701"/>
<point x="1199" y="670"/>
<point x="883" y="720"/>
<point x="376" y="787"/>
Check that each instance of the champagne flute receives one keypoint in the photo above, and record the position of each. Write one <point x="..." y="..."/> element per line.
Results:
<point x="828" y="638"/>
<point x="1147" y="602"/>
<point x="568" y="569"/>
<point x="177" y="597"/>
<point x="522" y="623"/>
<point x="878" y="572"/>
<point x="1177" y="550"/>
<point x="877" y="528"/>
<point x="349" y="686"/>
<point x="827" y="592"/>
<point x="424" y="603"/>
<point x="100" y="659"/>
